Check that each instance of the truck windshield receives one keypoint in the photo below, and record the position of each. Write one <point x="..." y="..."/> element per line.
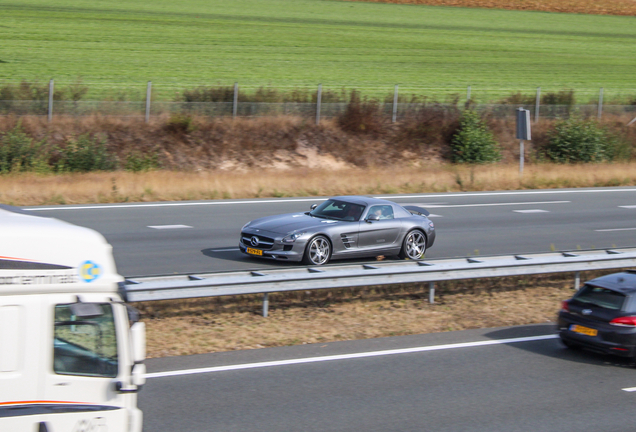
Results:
<point x="85" y="346"/>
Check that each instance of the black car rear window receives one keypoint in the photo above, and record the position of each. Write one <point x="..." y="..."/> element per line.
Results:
<point x="602" y="297"/>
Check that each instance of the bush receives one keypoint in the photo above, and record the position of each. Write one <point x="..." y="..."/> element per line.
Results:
<point x="578" y="140"/>
<point x="84" y="155"/>
<point x="473" y="142"/>
<point x="18" y="151"/>
<point x="137" y="162"/>
<point x="361" y="116"/>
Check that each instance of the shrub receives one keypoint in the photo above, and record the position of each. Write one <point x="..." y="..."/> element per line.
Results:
<point x="473" y="142"/>
<point x="578" y="140"/>
<point x="84" y="155"/>
<point x="361" y="115"/>
<point x="137" y="162"/>
<point x="18" y="151"/>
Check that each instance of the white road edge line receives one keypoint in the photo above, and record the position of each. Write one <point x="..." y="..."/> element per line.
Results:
<point x="499" y="204"/>
<point x="544" y="192"/>
<point x="162" y="227"/>
<point x="628" y="206"/>
<point x="616" y="229"/>
<point x="629" y="389"/>
<point x="348" y="356"/>
<point x="531" y="211"/>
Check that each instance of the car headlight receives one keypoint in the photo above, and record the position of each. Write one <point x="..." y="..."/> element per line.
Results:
<point x="290" y="238"/>
<point x="246" y="225"/>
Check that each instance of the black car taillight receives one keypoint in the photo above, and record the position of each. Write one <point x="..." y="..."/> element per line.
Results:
<point x="565" y="306"/>
<point x="628" y="321"/>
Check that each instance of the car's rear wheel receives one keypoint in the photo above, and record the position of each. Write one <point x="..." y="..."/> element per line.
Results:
<point x="414" y="245"/>
<point x="317" y="251"/>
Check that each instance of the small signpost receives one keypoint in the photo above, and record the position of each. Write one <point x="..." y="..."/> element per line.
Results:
<point x="523" y="133"/>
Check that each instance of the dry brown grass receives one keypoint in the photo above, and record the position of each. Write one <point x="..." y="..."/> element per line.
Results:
<point x="223" y="324"/>
<point x="596" y="7"/>
<point x="409" y="177"/>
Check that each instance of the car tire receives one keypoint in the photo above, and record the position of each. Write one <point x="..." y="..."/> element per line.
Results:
<point x="569" y="345"/>
<point x="317" y="251"/>
<point x="413" y="245"/>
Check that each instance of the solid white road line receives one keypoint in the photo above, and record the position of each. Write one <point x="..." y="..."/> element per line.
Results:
<point x="629" y="389"/>
<point x="477" y="194"/>
<point x="616" y="229"/>
<point x="434" y="215"/>
<point x="348" y="356"/>
<point x="531" y="211"/>
<point x="163" y="227"/>
<point x="500" y="204"/>
<point x="628" y="206"/>
<point x="225" y="250"/>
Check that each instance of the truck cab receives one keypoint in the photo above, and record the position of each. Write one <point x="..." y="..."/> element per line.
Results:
<point x="71" y="349"/>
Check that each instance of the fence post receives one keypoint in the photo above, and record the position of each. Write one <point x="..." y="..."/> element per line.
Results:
<point x="51" y="89"/>
<point x="536" y="105"/>
<point x="318" y="103"/>
<point x="235" y="100"/>
<point x="577" y="280"/>
<point x="395" y="102"/>
<point x="265" y="304"/>
<point x="600" y="103"/>
<point x="468" y="95"/>
<point x="148" y="98"/>
<point x="431" y="292"/>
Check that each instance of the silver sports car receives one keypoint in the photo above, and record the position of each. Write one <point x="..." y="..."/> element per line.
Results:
<point x="341" y="227"/>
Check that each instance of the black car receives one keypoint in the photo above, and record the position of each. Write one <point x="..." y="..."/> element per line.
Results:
<point x="601" y="316"/>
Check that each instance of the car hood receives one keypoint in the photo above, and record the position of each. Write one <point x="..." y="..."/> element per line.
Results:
<point x="286" y="223"/>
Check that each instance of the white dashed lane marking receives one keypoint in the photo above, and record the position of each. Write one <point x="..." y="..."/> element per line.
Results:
<point x="162" y="227"/>
<point x="616" y="229"/>
<point x="531" y="211"/>
<point x="628" y="206"/>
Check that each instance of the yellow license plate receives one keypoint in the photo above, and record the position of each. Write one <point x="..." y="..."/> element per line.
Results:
<point x="255" y="251"/>
<point x="584" y="330"/>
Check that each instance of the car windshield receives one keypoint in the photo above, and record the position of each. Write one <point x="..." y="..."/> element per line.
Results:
<point x="338" y="210"/>
<point x="601" y="297"/>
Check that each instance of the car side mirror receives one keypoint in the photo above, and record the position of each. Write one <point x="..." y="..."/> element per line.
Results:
<point x="313" y="206"/>
<point x="373" y="217"/>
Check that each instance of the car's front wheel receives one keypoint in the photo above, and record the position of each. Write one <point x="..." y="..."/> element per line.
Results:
<point x="318" y="251"/>
<point x="414" y="245"/>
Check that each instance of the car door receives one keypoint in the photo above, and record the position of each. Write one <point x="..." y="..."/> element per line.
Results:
<point x="379" y="234"/>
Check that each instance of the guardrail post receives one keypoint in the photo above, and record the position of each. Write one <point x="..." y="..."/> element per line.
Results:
<point x="431" y="292"/>
<point x="265" y="304"/>
<point x="51" y="88"/>
<point x="600" y="103"/>
<point x="577" y="280"/>
<point x="468" y="95"/>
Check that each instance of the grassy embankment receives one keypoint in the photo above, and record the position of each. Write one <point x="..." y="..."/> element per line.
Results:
<point x="118" y="46"/>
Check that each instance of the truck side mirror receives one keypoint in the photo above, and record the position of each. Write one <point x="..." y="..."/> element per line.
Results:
<point x="138" y="339"/>
<point x="139" y="374"/>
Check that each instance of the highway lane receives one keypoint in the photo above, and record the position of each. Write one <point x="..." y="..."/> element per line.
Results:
<point x="515" y="386"/>
<point x="191" y="237"/>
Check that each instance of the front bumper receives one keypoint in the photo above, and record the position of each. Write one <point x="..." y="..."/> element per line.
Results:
<point x="615" y="340"/>
<point x="277" y="251"/>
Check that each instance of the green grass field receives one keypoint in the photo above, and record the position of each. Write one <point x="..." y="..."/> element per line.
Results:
<point x="117" y="44"/>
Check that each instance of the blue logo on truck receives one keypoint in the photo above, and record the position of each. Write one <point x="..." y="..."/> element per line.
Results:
<point x="89" y="271"/>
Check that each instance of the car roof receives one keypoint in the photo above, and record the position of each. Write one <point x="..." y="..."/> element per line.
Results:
<point x="362" y="200"/>
<point x="624" y="282"/>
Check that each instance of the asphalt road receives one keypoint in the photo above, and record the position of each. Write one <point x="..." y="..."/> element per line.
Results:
<point x="457" y="381"/>
<point x="195" y="237"/>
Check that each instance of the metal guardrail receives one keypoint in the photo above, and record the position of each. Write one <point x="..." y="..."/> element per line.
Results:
<point x="380" y="273"/>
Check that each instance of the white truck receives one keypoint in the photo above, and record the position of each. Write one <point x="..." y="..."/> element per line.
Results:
<point x="71" y="350"/>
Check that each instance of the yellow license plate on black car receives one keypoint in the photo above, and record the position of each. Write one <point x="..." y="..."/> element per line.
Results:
<point x="583" y="330"/>
<point x="255" y="251"/>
